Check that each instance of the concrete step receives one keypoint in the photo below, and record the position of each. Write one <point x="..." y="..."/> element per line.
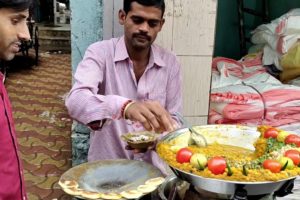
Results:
<point x="51" y="33"/>
<point x="52" y="38"/>
<point x="54" y="44"/>
<point x="54" y="32"/>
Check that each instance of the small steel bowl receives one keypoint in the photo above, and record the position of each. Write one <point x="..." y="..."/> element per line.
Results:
<point x="139" y="140"/>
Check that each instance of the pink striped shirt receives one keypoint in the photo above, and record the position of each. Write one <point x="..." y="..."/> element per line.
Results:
<point x="105" y="80"/>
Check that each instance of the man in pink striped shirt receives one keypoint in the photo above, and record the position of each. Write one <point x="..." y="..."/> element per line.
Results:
<point x="127" y="84"/>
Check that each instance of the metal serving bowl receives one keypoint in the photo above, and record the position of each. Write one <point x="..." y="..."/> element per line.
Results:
<point x="224" y="186"/>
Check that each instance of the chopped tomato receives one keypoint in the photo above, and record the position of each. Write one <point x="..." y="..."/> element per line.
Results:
<point x="293" y="139"/>
<point x="271" y="133"/>
<point x="272" y="165"/>
<point x="217" y="165"/>
<point x="294" y="155"/>
<point x="184" y="155"/>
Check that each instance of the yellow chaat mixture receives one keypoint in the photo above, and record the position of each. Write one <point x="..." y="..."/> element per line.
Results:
<point x="236" y="158"/>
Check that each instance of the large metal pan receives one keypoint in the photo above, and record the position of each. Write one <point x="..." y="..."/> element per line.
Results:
<point x="238" y="136"/>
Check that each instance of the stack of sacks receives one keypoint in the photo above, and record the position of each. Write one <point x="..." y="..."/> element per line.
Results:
<point x="244" y="93"/>
<point x="290" y="63"/>
<point x="278" y="37"/>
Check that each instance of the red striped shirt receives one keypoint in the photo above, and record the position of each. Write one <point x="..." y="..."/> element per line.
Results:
<point x="11" y="171"/>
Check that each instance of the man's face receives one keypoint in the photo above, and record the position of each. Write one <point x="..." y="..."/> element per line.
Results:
<point x="13" y="29"/>
<point x="141" y="25"/>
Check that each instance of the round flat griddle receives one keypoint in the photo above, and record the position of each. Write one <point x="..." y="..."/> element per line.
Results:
<point x="107" y="176"/>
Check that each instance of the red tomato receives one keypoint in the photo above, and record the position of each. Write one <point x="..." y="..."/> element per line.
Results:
<point x="270" y="133"/>
<point x="217" y="165"/>
<point x="272" y="165"/>
<point x="293" y="139"/>
<point x="184" y="155"/>
<point x="294" y="155"/>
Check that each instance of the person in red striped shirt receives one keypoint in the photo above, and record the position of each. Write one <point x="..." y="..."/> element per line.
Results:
<point x="13" y="29"/>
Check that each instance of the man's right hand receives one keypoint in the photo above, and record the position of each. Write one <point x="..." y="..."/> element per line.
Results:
<point x="151" y="115"/>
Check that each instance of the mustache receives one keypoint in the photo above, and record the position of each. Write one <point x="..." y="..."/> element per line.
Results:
<point x="142" y="35"/>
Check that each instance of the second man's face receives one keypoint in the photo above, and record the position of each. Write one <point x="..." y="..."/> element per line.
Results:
<point x="13" y="29"/>
<point x="141" y="25"/>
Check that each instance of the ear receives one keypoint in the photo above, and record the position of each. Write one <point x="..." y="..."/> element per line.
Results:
<point x="162" y="22"/>
<point x="122" y="17"/>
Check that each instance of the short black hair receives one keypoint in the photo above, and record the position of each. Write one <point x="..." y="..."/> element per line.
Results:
<point x="156" y="3"/>
<point x="18" y="5"/>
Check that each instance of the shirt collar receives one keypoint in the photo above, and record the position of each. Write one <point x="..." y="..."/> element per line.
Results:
<point x="121" y="53"/>
<point x="120" y="50"/>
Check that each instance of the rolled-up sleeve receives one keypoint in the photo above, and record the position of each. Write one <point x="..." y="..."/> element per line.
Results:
<point x="83" y="101"/>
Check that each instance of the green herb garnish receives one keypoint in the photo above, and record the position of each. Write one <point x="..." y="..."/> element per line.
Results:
<point x="245" y="171"/>
<point x="274" y="145"/>
<point x="285" y="165"/>
<point x="229" y="173"/>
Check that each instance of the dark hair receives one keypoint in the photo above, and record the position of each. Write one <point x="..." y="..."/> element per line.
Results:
<point x="18" y="5"/>
<point x="156" y="3"/>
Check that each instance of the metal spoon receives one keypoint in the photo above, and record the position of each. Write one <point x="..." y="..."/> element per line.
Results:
<point x="198" y="138"/>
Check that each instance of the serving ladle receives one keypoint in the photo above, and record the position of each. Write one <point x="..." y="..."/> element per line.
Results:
<point x="197" y="137"/>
